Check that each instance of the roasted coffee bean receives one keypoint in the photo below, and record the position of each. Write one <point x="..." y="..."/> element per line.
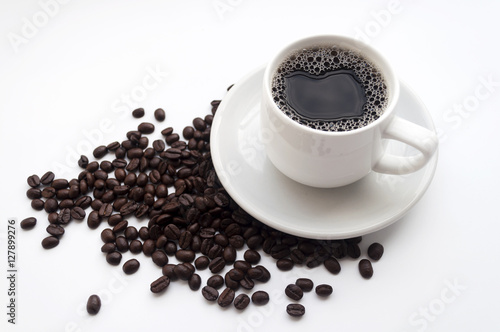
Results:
<point x="183" y="272"/>
<point x="236" y="274"/>
<point x="194" y="282"/>
<point x="188" y="132"/>
<point x="93" y="220"/>
<point x="295" y="310"/>
<point x="148" y="247"/>
<point x="146" y="128"/>
<point x="280" y="251"/>
<point x="100" y="152"/>
<point x="131" y="266"/>
<point x="229" y="254"/>
<point x="121" y="244"/>
<point x="77" y="213"/>
<point x="64" y="216"/>
<point x="83" y="202"/>
<point x="294" y="292"/>
<point x="52" y="218"/>
<point x="260" y="298"/>
<point x="285" y="264"/>
<point x="226" y="297"/>
<point x="159" y="115"/>
<point x="28" y="223"/>
<point x="265" y="274"/>
<point x="106" y="210"/>
<point x="365" y="268"/>
<point x="135" y="246"/>
<point x="241" y="301"/>
<point x="50" y="205"/>
<point x="159" y="258"/>
<point x="237" y="241"/>
<point x="242" y="265"/>
<point x="160" y="284"/>
<point x="167" y="131"/>
<point x="33" y="193"/>
<point x="251" y="256"/>
<point x="199" y="124"/>
<point x="185" y="239"/>
<point x="215" y="281"/>
<point x="83" y="162"/>
<point x="247" y="282"/>
<point x="113" y="146"/>
<point x="47" y="178"/>
<point x="119" y="226"/>
<point x="108" y="247"/>
<point x="93" y="305"/>
<point x="332" y="265"/>
<point x="66" y="203"/>
<point x="50" y="242"/>
<point x="324" y="290"/>
<point x="255" y="273"/>
<point x="305" y="284"/>
<point x="114" y="258"/>
<point x="353" y="250"/>
<point x="216" y="265"/>
<point x="170" y="139"/>
<point x="209" y="293"/>
<point x="55" y="230"/>
<point x="128" y="208"/>
<point x="107" y="235"/>
<point x="184" y="255"/>
<point x="37" y="204"/>
<point x="33" y="181"/>
<point x="138" y="113"/>
<point x="48" y="192"/>
<point x="375" y="251"/>
<point x="201" y="262"/>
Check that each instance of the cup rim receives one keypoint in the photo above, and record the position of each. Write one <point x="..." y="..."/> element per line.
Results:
<point x="375" y="57"/>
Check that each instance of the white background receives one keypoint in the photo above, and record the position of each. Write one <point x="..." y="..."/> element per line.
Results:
<point x="68" y="67"/>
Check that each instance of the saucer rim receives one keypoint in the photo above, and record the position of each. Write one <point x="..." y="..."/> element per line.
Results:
<point x="427" y="177"/>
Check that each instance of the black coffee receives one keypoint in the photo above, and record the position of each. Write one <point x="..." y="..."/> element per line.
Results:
<point x="329" y="89"/>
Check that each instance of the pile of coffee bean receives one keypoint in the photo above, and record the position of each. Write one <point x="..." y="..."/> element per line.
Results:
<point x="172" y="184"/>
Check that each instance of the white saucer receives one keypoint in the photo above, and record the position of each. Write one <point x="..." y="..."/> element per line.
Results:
<point x="368" y="205"/>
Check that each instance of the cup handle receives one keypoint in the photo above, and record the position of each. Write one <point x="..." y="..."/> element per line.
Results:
<point x="420" y="138"/>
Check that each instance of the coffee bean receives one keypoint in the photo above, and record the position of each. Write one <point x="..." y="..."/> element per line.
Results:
<point x="114" y="258"/>
<point x="107" y="235"/>
<point x="131" y="266"/>
<point x="138" y="113"/>
<point x="28" y="223"/>
<point x="332" y="265"/>
<point x="209" y="293"/>
<point x="226" y="297"/>
<point x="241" y="301"/>
<point x="50" y="205"/>
<point x="37" y="204"/>
<point x="294" y="292"/>
<point x="159" y="258"/>
<point x="93" y="304"/>
<point x="295" y="309"/>
<point x="108" y="247"/>
<point x="55" y="230"/>
<point x="265" y="274"/>
<point x="260" y="298"/>
<point x="100" y="152"/>
<point x="50" y="242"/>
<point x="201" y="262"/>
<point x="33" y="181"/>
<point x="280" y="251"/>
<point x="375" y="251"/>
<point x="77" y="213"/>
<point x="247" y="282"/>
<point x="194" y="282"/>
<point x="353" y="250"/>
<point x="121" y="244"/>
<point x="365" y="268"/>
<point x="251" y="256"/>
<point x="135" y="246"/>
<point x="183" y="272"/>
<point x="217" y="265"/>
<point x="47" y="178"/>
<point x="185" y="255"/>
<point x="160" y="284"/>
<point x="93" y="220"/>
<point x="215" y="281"/>
<point x="305" y="284"/>
<point x="33" y="193"/>
<point x="146" y="128"/>
<point x="284" y="264"/>
<point x="159" y="115"/>
<point x="324" y="290"/>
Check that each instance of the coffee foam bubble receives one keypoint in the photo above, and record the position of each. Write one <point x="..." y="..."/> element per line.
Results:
<point x="319" y="60"/>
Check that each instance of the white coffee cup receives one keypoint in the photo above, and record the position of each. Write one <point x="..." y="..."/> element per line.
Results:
<point x="327" y="159"/>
